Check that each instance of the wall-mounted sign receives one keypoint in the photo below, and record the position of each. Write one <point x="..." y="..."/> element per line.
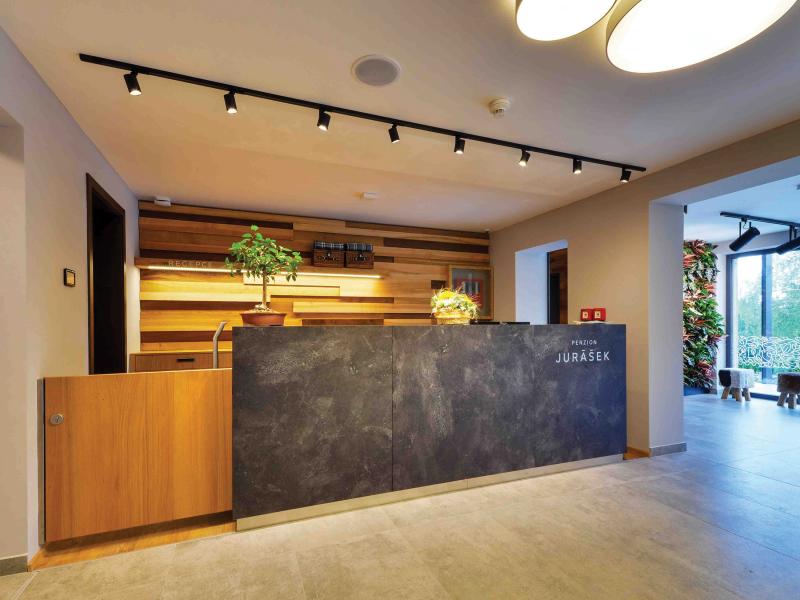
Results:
<point x="69" y="278"/>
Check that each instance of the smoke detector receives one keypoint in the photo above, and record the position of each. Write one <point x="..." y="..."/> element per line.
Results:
<point x="499" y="106"/>
<point x="376" y="70"/>
<point x="163" y="201"/>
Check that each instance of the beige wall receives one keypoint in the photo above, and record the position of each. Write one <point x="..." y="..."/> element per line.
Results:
<point x="57" y="157"/>
<point x="610" y="250"/>
<point x="13" y="410"/>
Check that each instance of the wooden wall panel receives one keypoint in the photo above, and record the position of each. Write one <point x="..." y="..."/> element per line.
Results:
<point x="181" y="309"/>
<point x="136" y="449"/>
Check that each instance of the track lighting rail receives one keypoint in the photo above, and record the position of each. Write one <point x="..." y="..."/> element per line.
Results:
<point x="327" y="108"/>
<point x="751" y="218"/>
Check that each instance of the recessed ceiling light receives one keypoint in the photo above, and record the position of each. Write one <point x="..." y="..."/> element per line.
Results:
<point x="662" y="35"/>
<point x="548" y="20"/>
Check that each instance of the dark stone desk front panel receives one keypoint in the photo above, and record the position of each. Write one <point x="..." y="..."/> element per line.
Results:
<point x="580" y="392"/>
<point x="463" y="403"/>
<point x="312" y="416"/>
<point x="331" y="413"/>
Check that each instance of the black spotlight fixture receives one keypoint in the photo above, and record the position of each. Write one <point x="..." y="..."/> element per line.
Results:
<point x="230" y="90"/>
<point x="792" y="244"/>
<point x="394" y="135"/>
<point x="324" y="120"/>
<point x="230" y="103"/>
<point x="524" y="158"/>
<point x="133" y="84"/>
<point x="744" y="238"/>
<point x="626" y="176"/>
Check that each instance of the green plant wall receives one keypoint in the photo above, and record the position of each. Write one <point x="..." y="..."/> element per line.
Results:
<point x="702" y="323"/>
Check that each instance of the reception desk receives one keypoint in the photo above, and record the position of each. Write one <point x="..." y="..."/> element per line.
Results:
<point x="323" y="416"/>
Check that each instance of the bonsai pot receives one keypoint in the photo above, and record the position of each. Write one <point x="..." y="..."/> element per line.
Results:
<point x="452" y="318"/>
<point x="262" y="318"/>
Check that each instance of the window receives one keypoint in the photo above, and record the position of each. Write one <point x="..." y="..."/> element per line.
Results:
<point x="763" y="323"/>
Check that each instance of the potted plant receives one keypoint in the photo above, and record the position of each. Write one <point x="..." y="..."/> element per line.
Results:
<point x="260" y="256"/>
<point x="453" y="307"/>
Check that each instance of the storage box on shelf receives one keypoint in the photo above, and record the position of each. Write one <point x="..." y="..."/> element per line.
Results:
<point x="328" y="254"/>
<point x="359" y="256"/>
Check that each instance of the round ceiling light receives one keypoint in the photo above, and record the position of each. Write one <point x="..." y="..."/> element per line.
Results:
<point x="662" y="35"/>
<point x="548" y="20"/>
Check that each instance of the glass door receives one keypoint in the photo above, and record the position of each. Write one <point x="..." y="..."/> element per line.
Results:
<point x="764" y="315"/>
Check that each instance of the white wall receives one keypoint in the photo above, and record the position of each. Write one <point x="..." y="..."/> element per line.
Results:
<point x="532" y="282"/>
<point x="665" y="325"/>
<point x="620" y="253"/>
<point x="57" y="157"/>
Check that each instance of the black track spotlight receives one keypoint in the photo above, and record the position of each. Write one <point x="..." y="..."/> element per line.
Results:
<point x="626" y="176"/>
<point x="792" y="244"/>
<point x="745" y="238"/>
<point x="524" y="158"/>
<point x="326" y="111"/>
<point x="133" y="84"/>
<point x="324" y="120"/>
<point x="394" y="135"/>
<point x="230" y="103"/>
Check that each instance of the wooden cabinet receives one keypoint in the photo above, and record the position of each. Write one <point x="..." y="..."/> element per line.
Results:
<point x="177" y="361"/>
<point x="135" y="449"/>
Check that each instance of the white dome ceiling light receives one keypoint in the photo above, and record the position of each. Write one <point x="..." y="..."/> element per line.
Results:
<point x="548" y="20"/>
<point x="662" y="35"/>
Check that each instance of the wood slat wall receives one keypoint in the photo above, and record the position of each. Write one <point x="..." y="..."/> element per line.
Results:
<point x="181" y="309"/>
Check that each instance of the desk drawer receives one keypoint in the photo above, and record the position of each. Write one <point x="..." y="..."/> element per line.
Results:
<point x="178" y="361"/>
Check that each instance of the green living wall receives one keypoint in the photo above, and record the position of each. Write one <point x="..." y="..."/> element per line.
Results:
<point x="702" y="323"/>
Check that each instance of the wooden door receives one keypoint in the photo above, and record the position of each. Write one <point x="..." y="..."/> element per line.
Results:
<point x="135" y="449"/>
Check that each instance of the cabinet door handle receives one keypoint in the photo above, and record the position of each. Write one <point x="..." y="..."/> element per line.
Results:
<point x="56" y="419"/>
<point x="186" y="359"/>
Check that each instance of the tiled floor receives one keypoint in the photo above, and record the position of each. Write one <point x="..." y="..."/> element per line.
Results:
<point x="720" y="521"/>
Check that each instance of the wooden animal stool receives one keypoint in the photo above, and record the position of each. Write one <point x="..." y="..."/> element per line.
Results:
<point x="789" y="388"/>
<point x="737" y="382"/>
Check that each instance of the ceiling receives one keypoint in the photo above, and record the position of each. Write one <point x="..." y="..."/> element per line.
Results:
<point x="775" y="200"/>
<point x="177" y="140"/>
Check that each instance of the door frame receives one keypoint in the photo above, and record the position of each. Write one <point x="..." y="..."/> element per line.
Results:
<point x="95" y="190"/>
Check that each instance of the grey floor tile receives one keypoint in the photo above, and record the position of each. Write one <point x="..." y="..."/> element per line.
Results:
<point x="783" y="466"/>
<point x="10" y="585"/>
<point x="381" y="565"/>
<point x="767" y="526"/>
<point x="99" y="578"/>
<point x="758" y="488"/>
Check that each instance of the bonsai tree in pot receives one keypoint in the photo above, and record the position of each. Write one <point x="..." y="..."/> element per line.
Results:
<point x="260" y="256"/>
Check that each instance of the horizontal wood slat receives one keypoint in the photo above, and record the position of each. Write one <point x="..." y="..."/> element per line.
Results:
<point x="180" y="309"/>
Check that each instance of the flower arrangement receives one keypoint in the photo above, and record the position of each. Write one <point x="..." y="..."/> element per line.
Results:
<point x="702" y="323"/>
<point x="453" y="306"/>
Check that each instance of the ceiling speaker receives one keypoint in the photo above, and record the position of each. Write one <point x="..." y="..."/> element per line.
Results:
<point x="376" y="70"/>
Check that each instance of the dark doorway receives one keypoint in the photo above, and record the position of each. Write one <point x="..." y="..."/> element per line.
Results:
<point x="557" y="309"/>
<point x="106" y="268"/>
